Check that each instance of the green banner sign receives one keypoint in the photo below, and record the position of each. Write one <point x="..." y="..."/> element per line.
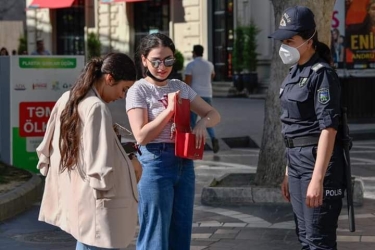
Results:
<point x="47" y="63"/>
<point x="21" y="157"/>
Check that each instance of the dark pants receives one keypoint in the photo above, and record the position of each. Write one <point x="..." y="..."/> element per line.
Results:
<point x="315" y="227"/>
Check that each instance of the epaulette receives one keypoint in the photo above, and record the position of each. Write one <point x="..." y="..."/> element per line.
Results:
<point x="317" y="66"/>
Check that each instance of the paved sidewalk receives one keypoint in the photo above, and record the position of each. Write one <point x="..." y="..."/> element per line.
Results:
<point x="259" y="227"/>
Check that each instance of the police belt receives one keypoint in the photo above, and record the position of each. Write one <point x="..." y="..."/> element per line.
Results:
<point x="301" y="141"/>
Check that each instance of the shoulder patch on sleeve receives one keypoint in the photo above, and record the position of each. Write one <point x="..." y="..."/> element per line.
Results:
<point x="323" y="95"/>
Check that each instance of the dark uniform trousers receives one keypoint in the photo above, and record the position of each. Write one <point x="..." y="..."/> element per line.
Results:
<point x="316" y="227"/>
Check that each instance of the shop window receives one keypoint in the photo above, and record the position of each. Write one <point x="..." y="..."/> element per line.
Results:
<point x="222" y="27"/>
<point x="151" y="17"/>
<point x="70" y="23"/>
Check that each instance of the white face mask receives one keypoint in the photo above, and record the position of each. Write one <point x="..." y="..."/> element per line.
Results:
<point x="291" y="55"/>
<point x="288" y="54"/>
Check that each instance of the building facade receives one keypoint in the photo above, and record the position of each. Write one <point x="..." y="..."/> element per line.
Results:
<point x="120" y="25"/>
<point x="12" y="23"/>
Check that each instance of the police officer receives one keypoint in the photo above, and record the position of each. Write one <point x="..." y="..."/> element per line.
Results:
<point x="310" y="101"/>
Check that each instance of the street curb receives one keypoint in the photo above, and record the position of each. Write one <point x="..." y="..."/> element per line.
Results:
<point x="21" y="198"/>
<point x="238" y="191"/>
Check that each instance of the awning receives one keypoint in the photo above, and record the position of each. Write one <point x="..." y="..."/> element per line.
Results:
<point x="51" y="4"/>
<point x="121" y="1"/>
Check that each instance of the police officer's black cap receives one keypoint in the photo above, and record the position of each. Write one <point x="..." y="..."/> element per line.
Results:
<point x="293" y="21"/>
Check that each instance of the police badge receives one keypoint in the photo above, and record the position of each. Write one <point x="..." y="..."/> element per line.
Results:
<point x="323" y="95"/>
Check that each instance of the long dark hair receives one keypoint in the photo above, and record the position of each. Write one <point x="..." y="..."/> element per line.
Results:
<point x="322" y="49"/>
<point x="148" y="43"/>
<point x="120" y="67"/>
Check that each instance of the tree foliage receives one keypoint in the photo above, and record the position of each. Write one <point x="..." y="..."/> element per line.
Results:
<point x="179" y="63"/>
<point x="271" y="163"/>
<point x="94" y="45"/>
<point x="250" y="61"/>
<point x="237" y="54"/>
<point x="22" y="45"/>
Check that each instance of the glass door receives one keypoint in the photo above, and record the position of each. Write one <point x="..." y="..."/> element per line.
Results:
<point x="223" y="39"/>
<point x="151" y="17"/>
<point x="70" y="23"/>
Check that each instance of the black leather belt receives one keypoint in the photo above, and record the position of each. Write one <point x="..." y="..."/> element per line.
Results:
<point x="301" y="141"/>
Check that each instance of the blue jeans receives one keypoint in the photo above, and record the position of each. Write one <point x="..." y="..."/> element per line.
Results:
<point x="193" y="118"/>
<point x="166" y="199"/>
<point x="81" y="246"/>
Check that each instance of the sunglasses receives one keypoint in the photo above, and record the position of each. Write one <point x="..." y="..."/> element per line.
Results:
<point x="168" y="62"/>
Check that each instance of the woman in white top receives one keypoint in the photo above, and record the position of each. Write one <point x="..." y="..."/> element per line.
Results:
<point x="166" y="189"/>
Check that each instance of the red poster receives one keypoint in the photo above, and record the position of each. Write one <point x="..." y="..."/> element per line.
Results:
<point x="33" y="118"/>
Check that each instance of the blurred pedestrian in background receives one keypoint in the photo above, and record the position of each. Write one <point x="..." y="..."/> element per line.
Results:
<point x="40" y="49"/>
<point x="4" y="52"/>
<point x="198" y="75"/>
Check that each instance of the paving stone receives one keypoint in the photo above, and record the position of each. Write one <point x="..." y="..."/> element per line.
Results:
<point x="200" y="230"/>
<point x="284" y="225"/>
<point x="208" y="240"/>
<point x="277" y="232"/>
<point x="230" y="213"/>
<point x="223" y="236"/>
<point x="218" y="210"/>
<point x="229" y="224"/>
<point x="348" y="238"/>
<point x="216" y="248"/>
<point x="258" y="224"/>
<point x="227" y="231"/>
<point x="249" y="235"/>
<point x="200" y="236"/>
<point x="355" y="246"/>
<point x="229" y="243"/>
<point x="364" y="216"/>
<point x="219" y="218"/>
<point x="210" y="224"/>
<point x="202" y="242"/>
<point x="255" y="220"/>
<point x="368" y="239"/>
<point x="240" y="216"/>
<point x="197" y="247"/>
<point x="291" y="237"/>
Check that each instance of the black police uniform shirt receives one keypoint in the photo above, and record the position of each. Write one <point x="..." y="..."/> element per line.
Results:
<point x="310" y="99"/>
